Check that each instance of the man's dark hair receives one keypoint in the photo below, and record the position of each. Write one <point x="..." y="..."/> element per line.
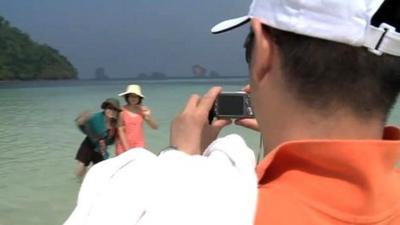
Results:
<point x="326" y="75"/>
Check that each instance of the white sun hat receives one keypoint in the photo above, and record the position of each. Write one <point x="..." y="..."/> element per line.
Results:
<point x="344" y="21"/>
<point x="133" y="89"/>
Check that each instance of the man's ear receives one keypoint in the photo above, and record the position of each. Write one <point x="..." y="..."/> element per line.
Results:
<point x="262" y="53"/>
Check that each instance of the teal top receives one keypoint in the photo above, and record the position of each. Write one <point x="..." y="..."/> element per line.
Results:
<point x="95" y="128"/>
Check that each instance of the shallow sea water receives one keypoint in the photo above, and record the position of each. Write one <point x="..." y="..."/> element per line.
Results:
<point x="39" y="140"/>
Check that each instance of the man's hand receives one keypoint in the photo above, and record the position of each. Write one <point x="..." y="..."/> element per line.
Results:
<point x="247" y="122"/>
<point x="190" y="130"/>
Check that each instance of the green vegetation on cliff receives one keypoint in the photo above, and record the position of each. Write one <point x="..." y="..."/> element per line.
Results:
<point x="23" y="59"/>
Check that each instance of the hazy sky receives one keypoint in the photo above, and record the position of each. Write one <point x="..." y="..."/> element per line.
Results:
<point x="128" y="37"/>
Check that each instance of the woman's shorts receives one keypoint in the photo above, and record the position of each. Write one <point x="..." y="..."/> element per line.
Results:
<point x="87" y="153"/>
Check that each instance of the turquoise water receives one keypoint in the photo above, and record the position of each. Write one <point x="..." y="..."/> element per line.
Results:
<point x="38" y="139"/>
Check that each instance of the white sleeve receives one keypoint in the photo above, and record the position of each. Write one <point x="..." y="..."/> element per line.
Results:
<point x="105" y="194"/>
<point x="217" y="188"/>
<point x="174" y="188"/>
<point x="242" y="163"/>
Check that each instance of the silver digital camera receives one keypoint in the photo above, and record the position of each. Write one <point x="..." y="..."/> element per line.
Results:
<point x="234" y="105"/>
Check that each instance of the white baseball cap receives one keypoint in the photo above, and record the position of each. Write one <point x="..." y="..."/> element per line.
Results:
<point x="345" y="21"/>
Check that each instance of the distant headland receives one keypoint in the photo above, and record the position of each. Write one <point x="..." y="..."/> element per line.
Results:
<point x="23" y="59"/>
<point x="199" y="72"/>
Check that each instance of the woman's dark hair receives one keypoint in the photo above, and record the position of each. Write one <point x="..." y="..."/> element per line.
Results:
<point x="127" y="96"/>
<point x="326" y="74"/>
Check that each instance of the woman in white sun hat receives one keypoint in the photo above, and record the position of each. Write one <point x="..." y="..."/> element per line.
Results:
<point x="130" y="125"/>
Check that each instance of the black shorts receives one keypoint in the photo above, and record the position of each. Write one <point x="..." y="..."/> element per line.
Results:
<point x="87" y="154"/>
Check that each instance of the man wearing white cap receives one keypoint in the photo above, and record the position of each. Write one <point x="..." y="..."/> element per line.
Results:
<point x="323" y="78"/>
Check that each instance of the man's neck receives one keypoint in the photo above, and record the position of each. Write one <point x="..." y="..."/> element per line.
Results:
<point x="308" y="126"/>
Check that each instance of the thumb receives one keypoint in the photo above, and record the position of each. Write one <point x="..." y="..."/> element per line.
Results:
<point x="221" y="123"/>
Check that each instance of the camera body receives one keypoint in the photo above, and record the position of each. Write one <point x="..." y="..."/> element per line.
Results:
<point x="234" y="105"/>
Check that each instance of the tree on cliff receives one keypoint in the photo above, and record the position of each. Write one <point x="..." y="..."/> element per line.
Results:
<point x="23" y="59"/>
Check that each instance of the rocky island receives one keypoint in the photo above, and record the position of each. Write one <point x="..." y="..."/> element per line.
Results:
<point x="21" y="58"/>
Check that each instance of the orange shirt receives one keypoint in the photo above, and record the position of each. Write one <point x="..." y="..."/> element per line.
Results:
<point x="331" y="182"/>
<point x="133" y="128"/>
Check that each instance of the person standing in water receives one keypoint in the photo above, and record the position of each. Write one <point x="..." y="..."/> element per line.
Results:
<point x="100" y="129"/>
<point x="130" y="123"/>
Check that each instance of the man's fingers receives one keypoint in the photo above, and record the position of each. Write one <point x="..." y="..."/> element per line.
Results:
<point x="192" y="103"/>
<point x="208" y="99"/>
<point x="246" y="88"/>
<point x="249" y="123"/>
<point x="221" y="123"/>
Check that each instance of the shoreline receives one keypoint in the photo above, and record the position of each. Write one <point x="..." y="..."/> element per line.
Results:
<point x="6" y="84"/>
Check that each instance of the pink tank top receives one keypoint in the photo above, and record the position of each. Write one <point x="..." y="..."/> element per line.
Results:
<point x="133" y="127"/>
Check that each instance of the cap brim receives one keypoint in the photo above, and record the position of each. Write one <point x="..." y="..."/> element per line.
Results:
<point x="229" y="24"/>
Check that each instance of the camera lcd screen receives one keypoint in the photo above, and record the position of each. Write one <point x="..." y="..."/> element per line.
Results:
<point x="230" y="105"/>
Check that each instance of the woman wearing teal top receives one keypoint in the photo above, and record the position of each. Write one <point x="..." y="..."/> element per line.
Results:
<point x="100" y="130"/>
